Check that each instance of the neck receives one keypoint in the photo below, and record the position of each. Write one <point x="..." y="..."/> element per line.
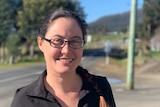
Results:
<point x="63" y="83"/>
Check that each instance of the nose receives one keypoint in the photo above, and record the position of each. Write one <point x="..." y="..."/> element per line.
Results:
<point x="66" y="48"/>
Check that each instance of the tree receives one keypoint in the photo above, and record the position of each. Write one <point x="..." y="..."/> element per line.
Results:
<point x="12" y="47"/>
<point x="6" y="24"/>
<point x="33" y="11"/>
<point x="151" y="16"/>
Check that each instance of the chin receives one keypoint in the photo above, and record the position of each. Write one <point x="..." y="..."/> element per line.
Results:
<point x="66" y="69"/>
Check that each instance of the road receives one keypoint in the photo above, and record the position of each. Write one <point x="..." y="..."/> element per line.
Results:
<point x="11" y="79"/>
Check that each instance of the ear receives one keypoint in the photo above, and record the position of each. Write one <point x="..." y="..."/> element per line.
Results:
<point x="40" y="43"/>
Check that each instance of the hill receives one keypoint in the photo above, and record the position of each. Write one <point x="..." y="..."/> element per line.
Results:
<point x="114" y="22"/>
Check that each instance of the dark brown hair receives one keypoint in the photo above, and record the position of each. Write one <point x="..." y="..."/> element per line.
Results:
<point x="87" y="76"/>
<point x="53" y="15"/>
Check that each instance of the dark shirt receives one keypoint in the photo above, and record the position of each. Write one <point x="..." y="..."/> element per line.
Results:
<point x="36" y="95"/>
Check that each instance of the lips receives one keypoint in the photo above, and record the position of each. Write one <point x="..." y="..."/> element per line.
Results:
<point x="66" y="60"/>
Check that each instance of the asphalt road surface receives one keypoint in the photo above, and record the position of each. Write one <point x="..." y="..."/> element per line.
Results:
<point x="11" y="79"/>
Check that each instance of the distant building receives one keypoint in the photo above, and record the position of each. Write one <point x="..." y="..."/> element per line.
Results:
<point x="89" y="38"/>
<point x="155" y="43"/>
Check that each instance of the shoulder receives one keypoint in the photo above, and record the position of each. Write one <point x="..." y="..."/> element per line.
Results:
<point x="103" y="84"/>
<point x="25" y="89"/>
<point x="21" y="96"/>
<point x="19" y="99"/>
<point x="25" y="95"/>
<point x="106" y="90"/>
<point x="33" y="88"/>
<point x="101" y="80"/>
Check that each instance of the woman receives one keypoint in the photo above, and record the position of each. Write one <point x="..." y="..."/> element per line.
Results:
<point x="64" y="83"/>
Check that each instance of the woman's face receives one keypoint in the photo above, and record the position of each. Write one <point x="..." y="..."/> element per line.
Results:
<point x="65" y="59"/>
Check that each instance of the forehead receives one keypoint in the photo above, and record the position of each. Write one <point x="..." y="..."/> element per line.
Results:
<point x="64" y="27"/>
<point x="65" y="21"/>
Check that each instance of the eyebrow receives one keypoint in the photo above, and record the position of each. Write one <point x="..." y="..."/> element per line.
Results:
<point x="76" y="37"/>
<point x="57" y="36"/>
<point x="54" y="36"/>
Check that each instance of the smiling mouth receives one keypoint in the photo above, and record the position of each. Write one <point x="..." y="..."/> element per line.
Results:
<point x="66" y="60"/>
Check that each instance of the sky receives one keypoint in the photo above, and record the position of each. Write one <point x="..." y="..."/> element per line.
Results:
<point x="95" y="9"/>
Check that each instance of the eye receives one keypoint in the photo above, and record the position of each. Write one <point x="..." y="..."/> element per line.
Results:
<point x="58" y="41"/>
<point x="76" y="42"/>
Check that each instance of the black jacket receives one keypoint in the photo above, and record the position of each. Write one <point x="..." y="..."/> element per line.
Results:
<point x="36" y="95"/>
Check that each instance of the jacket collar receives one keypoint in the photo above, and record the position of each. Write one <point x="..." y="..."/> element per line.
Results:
<point x="37" y="88"/>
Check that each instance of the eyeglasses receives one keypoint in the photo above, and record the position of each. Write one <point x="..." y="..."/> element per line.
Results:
<point x="60" y="42"/>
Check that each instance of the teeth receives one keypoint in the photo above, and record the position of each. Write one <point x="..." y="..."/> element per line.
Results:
<point x="66" y="60"/>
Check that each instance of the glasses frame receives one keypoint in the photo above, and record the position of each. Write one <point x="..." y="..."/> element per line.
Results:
<point x="64" y="43"/>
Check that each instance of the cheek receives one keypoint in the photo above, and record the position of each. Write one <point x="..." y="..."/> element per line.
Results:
<point x="79" y="53"/>
<point x="50" y="53"/>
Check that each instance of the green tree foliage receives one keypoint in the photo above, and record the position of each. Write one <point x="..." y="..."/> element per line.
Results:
<point x="151" y="16"/>
<point x="6" y="25"/>
<point x="12" y="47"/>
<point x="6" y="19"/>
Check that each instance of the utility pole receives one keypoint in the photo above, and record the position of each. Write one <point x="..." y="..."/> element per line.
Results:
<point x="131" y="43"/>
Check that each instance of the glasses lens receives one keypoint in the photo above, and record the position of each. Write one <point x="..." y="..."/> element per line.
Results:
<point x="57" y="42"/>
<point x="76" y="43"/>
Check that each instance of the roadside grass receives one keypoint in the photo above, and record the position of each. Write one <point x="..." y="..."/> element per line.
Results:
<point x="114" y="65"/>
<point x="23" y="63"/>
<point x="19" y="64"/>
<point x="155" y="55"/>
